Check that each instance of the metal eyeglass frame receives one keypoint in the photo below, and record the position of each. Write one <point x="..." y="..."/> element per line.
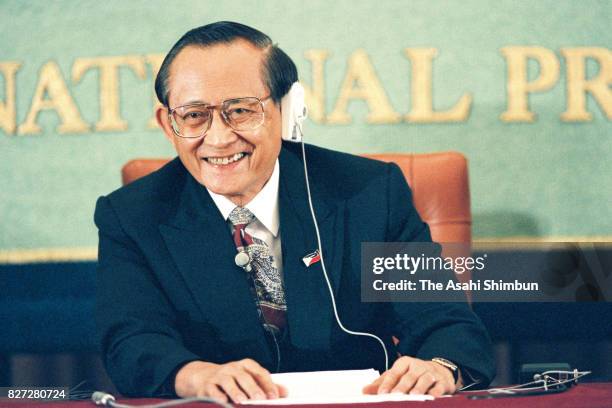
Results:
<point x="222" y="114"/>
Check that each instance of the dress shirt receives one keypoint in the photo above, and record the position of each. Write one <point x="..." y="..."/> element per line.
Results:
<point x="265" y="208"/>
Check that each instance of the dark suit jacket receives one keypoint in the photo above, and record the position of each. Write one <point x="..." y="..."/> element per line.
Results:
<point x="169" y="291"/>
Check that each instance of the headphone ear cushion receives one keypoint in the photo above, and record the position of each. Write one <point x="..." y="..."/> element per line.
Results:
<point x="293" y="113"/>
<point x="297" y="95"/>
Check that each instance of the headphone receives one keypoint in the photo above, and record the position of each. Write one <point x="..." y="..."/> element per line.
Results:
<point x="293" y="113"/>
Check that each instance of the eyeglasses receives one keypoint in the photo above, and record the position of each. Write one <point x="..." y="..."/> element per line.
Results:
<point x="193" y="120"/>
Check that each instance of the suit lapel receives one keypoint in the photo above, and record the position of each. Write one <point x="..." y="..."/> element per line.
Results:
<point x="201" y="246"/>
<point x="309" y="308"/>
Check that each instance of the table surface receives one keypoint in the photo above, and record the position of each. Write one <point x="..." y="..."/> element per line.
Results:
<point x="592" y="395"/>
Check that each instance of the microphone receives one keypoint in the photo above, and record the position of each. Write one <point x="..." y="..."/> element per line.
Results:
<point x="102" y="398"/>
<point x="243" y="260"/>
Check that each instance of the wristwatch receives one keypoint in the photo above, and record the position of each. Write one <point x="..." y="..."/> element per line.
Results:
<point x="448" y="364"/>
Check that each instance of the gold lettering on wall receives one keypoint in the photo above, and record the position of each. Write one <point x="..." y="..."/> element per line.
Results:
<point x="8" y="70"/>
<point x="51" y="83"/>
<point x="421" y="91"/>
<point x="578" y="85"/>
<point x="361" y="72"/>
<point x="154" y="61"/>
<point x="360" y="81"/>
<point x="110" y="116"/>
<point x="315" y="94"/>
<point x="518" y="87"/>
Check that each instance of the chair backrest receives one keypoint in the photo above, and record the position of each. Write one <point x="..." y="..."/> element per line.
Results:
<point x="439" y="183"/>
<point x="137" y="168"/>
<point x="441" y="191"/>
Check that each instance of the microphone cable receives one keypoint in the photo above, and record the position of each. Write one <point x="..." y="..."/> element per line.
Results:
<point x="542" y="382"/>
<point x="329" y="286"/>
<point x="108" y="400"/>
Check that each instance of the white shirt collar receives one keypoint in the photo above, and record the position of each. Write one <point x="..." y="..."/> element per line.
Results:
<point x="264" y="205"/>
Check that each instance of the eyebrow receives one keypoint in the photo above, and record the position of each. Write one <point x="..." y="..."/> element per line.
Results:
<point x="195" y="102"/>
<point x="201" y="102"/>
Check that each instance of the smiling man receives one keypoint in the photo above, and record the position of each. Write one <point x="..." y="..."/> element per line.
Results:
<point x="178" y="316"/>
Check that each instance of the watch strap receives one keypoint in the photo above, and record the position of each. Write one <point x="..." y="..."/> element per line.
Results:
<point x="454" y="368"/>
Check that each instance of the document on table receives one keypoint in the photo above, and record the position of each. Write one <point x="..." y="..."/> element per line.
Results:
<point x="331" y="387"/>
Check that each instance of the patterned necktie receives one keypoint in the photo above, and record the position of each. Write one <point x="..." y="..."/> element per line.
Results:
<point x="264" y="276"/>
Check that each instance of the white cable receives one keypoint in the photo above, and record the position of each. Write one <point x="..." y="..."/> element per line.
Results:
<point x="525" y="387"/>
<point x="465" y="387"/>
<point x="329" y="286"/>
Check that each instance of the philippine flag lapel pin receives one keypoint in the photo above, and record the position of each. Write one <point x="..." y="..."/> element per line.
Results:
<point x="311" y="258"/>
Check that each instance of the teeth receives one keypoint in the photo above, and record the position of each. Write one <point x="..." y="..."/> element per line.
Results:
<point x="225" y="160"/>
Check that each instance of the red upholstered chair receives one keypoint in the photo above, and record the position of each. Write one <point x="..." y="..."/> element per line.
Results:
<point x="441" y="192"/>
<point x="137" y="168"/>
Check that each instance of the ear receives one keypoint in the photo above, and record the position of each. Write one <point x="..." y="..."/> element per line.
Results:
<point x="161" y="114"/>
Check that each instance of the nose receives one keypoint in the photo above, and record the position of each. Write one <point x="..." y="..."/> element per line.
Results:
<point x="220" y="134"/>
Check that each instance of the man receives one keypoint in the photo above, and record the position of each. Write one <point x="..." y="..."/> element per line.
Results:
<point x="177" y="315"/>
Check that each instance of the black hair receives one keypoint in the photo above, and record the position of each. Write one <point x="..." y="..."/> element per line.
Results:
<point x="279" y="71"/>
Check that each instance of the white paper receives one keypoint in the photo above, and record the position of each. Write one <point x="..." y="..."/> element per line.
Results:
<point x="331" y="387"/>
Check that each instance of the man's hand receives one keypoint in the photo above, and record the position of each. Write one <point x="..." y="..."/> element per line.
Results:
<point x="414" y="376"/>
<point x="236" y="381"/>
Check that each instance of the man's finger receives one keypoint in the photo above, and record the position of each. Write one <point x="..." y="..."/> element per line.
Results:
<point x="370" y="389"/>
<point x="424" y="383"/>
<point x="212" y="391"/>
<point x="373" y="387"/>
<point x="229" y="386"/>
<point x="394" y="374"/>
<point x="263" y="378"/>
<point x="406" y="382"/>
<point x="438" y="389"/>
<point x="282" y="390"/>
<point x="402" y="365"/>
<point x="253" y="366"/>
<point x="388" y="382"/>
<point x="247" y="383"/>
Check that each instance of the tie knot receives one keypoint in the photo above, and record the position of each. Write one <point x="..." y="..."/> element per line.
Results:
<point x="241" y="216"/>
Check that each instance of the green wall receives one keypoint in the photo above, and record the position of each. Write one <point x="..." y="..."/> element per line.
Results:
<point x="544" y="179"/>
